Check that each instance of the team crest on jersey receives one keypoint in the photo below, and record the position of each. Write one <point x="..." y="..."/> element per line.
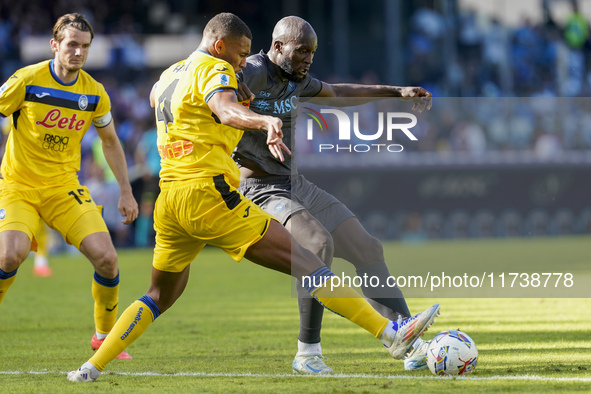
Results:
<point x="224" y="79"/>
<point x="83" y="102"/>
<point x="2" y="213"/>
<point x="279" y="207"/>
<point x="262" y="105"/>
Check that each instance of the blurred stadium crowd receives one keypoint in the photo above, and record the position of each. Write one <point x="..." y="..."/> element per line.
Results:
<point x="459" y="54"/>
<point x="493" y="59"/>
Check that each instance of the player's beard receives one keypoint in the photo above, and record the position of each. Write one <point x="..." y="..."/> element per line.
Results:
<point x="70" y="62"/>
<point x="288" y="71"/>
<point x="73" y="67"/>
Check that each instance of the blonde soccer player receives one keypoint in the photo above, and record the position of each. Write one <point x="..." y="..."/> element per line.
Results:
<point x="52" y="105"/>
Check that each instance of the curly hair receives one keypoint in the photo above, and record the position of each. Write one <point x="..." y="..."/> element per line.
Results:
<point x="226" y="25"/>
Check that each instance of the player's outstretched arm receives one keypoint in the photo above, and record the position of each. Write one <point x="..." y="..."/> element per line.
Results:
<point x="116" y="159"/>
<point x="421" y="98"/>
<point x="226" y="107"/>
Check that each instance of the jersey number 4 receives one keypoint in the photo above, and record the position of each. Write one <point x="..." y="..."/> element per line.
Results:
<point x="163" y="111"/>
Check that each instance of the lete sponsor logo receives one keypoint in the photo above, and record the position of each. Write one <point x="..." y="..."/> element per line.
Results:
<point x="54" y="118"/>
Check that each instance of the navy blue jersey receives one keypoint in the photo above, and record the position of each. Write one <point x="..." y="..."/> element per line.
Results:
<point x="275" y="96"/>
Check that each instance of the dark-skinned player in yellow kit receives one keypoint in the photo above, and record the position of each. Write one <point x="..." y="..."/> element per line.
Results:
<point x="199" y="123"/>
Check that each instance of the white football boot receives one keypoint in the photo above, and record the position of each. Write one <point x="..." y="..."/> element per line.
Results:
<point x="86" y="373"/>
<point x="399" y="336"/>
<point x="417" y="357"/>
<point x="311" y="364"/>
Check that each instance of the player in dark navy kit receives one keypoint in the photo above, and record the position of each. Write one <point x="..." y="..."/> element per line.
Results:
<point x="318" y="221"/>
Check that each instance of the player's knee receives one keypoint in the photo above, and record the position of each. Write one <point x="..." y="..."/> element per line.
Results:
<point x="162" y="300"/>
<point x="12" y="259"/>
<point x="370" y="252"/>
<point x="105" y="264"/>
<point x="375" y="250"/>
<point x="322" y="245"/>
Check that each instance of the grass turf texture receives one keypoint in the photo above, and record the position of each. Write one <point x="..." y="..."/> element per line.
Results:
<point x="235" y="330"/>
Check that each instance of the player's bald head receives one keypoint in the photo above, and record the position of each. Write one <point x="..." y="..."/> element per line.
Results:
<point x="293" y="47"/>
<point x="292" y="29"/>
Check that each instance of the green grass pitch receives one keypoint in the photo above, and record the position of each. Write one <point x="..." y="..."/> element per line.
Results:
<point x="235" y="330"/>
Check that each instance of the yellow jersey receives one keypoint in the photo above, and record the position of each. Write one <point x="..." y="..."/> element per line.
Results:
<point x="191" y="140"/>
<point x="49" y="119"/>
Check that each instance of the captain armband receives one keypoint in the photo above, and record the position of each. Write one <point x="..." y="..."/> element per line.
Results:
<point x="102" y="121"/>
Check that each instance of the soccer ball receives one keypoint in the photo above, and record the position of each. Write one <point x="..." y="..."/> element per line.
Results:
<point x="452" y="353"/>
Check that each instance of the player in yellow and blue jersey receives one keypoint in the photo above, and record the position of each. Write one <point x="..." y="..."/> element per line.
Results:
<point x="199" y="124"/>
<point x="52" y="105"/>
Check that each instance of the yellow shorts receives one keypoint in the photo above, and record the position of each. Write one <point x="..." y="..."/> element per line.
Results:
<point x="208" y="211"/>
<point x="67" y="209"/>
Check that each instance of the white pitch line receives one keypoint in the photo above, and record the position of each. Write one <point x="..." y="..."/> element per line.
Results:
<point x="335" y="376"/>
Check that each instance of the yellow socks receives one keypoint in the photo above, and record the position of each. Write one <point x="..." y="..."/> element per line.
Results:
<point x="42" y="237"/>
<point x="344" y="301"/>
<point x="106" y="298"/>
<point x="6" y="279"/>
<point x="132" y="323"/>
